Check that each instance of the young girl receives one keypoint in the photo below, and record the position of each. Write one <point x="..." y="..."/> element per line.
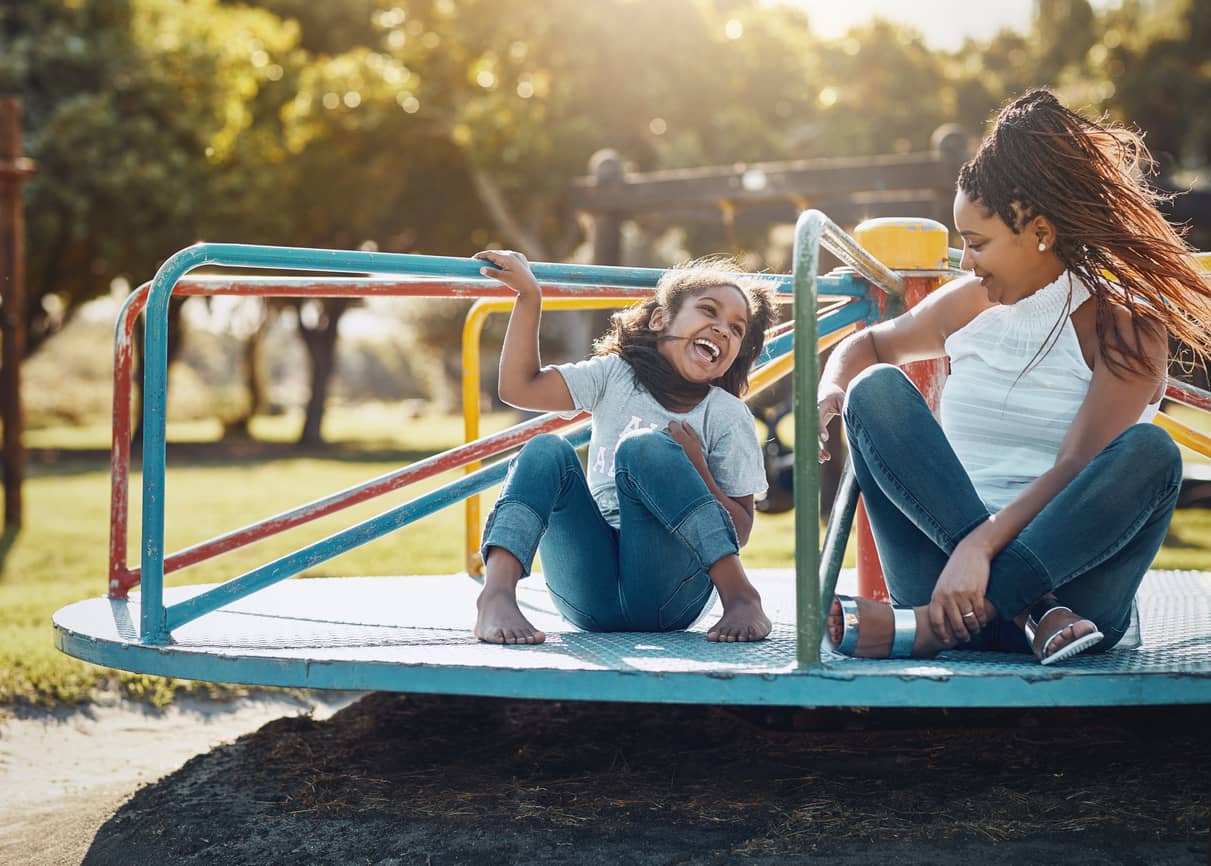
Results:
<point x="673" y="463"/>
<point x="1026" y="518"/>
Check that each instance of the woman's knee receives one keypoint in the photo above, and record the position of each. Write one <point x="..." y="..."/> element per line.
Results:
<point x="1150" y="451"/>
<point x="875" y="389"/>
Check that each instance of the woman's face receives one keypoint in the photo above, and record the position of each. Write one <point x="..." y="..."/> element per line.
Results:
<point x="1010" y="265"/>
<point x="709" y="328"/>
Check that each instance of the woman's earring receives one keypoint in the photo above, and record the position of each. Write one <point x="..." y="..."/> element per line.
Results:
<point x="1042" y="247"/>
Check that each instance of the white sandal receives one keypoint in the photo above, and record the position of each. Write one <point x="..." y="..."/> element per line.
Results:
<point x="1034" y="618"/>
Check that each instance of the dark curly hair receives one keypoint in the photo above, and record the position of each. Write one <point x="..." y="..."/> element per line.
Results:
<point x="630" y="336"/>
<point x="1087" y="178"/>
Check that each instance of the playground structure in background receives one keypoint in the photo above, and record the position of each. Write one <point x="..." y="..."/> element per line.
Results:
<point x="345" y="633"/>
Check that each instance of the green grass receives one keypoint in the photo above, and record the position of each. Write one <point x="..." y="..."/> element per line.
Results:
<point x="61" y="555"/>
<point x="368" y="425"/>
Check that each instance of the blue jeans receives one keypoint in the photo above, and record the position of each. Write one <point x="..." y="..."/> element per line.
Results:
<point x="1090" y="546"/>
<point x="650" y="574"/>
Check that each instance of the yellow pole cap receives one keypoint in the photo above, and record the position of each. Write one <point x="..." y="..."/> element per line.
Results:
<point x="1203" y="260"/>
<point x="906" y="243"/>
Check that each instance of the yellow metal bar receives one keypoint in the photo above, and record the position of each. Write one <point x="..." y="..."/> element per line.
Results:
<point x="1183" y="434"/>
<point x="473" y="329"/>
<point x="768" y="374"/>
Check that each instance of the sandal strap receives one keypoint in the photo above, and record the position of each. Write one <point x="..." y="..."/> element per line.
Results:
<point x="849" y="625"/>
<point x="905" y="634"/>
<point x="1037" y="612"/>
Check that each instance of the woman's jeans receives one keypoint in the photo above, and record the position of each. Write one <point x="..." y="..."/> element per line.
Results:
<point x="650" y="574"/>
<point x="1090" y="546"/>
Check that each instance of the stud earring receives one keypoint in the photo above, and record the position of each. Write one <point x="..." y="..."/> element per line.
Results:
<point x="1042" y="247"/>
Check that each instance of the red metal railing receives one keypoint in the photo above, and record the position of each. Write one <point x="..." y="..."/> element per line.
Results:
<point x="122" y="577"/>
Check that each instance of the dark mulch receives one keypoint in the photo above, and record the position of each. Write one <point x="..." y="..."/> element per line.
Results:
<point x="446" y="780"/>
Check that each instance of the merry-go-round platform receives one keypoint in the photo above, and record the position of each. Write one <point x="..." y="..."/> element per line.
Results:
<point x="271" y="626"/>
<point x="414" y="634"/>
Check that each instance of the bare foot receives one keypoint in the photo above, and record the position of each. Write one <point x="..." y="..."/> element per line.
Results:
<point x="743" y="620"/>
<point x="500" y="620"/>
<point x="876" y="628"/>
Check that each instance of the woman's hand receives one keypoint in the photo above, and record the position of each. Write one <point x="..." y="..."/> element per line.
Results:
<point x="957" y="609"/>
<point x="513" y="270"/>
<point x="830" y="399"/>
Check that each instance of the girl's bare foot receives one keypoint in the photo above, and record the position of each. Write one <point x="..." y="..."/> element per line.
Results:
<point x="500" y="620"/>
<point x="743" y="620"/>
<point x="876" y="629"/>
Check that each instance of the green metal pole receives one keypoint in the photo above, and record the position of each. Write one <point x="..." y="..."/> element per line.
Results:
<point x="840" y="522"/>
<point x="807" y="467"/>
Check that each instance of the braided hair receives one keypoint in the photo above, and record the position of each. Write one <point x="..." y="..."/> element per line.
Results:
<point x="1087" y="178"/>
<point x="631" y="336"/>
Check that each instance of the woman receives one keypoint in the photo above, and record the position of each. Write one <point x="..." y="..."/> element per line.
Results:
<point x="1025" y="518"/>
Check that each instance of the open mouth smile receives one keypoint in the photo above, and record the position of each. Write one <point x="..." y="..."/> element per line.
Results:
<point x="708" y="350"/>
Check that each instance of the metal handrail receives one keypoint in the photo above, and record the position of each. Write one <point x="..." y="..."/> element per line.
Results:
<point x="156" y="620"/>
<point x="816" y="575"/>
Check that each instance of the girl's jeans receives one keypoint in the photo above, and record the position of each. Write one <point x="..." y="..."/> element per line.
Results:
<point x="1090" y="546"/>
<point x="650" y="574"/>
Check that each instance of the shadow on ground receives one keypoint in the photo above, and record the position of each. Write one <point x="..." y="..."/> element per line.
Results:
<point x="402" y="779"/>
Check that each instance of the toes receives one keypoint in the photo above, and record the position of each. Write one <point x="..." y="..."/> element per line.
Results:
<point x="525" y="636"/>
<point x="835" y="622"/>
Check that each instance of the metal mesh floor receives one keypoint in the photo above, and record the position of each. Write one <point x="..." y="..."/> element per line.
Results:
<point x="413" y="634"/>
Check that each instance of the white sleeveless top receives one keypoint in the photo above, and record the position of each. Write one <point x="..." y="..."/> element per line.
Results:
<point x="1017" y="379"/>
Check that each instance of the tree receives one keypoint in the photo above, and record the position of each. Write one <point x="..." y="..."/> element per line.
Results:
<point x="1156" y="57"/>
<point x="131" y="106"/>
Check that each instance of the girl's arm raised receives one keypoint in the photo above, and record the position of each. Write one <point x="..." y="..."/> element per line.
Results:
<point x="523" y="382"/>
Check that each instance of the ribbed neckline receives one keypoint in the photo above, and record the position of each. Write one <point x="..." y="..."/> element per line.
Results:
<point x="1050" y="302"/>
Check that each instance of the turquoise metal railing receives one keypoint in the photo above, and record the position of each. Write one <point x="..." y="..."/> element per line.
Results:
<point x="156" y="620"/>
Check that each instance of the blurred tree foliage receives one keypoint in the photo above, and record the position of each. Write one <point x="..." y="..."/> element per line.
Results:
<point x="441" y="126"/>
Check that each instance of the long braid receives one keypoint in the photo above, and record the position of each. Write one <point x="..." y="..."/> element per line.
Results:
<point x="1087" y="178"/>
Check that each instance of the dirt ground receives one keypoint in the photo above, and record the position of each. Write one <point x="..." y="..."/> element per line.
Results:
<point x="407" y="779"/>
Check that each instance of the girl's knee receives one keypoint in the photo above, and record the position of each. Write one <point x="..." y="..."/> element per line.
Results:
<point x="875" y="388"/>
<point x="645" y="449"/>
<point x="547" y="447"/>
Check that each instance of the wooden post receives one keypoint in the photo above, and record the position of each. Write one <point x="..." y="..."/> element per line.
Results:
<point x="13" y="171"/>
<point x="953" y="147"/>
<point x="606" y="168"/>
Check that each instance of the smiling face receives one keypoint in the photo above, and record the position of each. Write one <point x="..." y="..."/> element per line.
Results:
<point x="1011" y="266"/>
<point x="707" y="332"/>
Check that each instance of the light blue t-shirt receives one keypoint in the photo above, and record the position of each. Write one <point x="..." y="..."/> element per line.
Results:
<point x="606" y="386"/>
